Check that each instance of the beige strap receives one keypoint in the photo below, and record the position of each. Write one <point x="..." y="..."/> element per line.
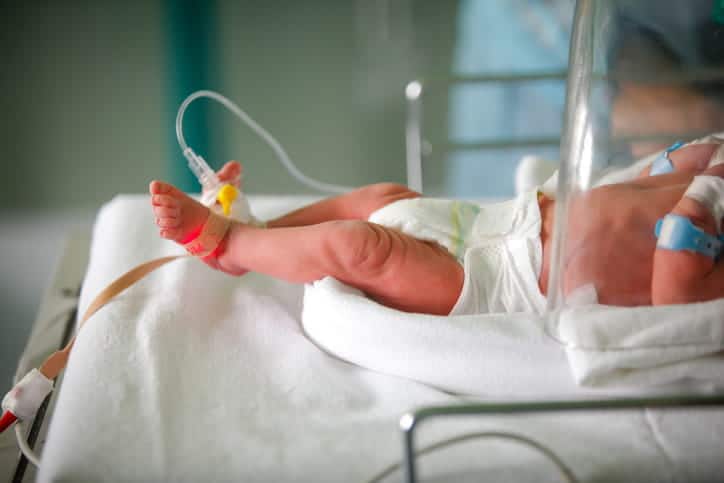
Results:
<point x="211" y="235"/>
<point x="56" y="361"/>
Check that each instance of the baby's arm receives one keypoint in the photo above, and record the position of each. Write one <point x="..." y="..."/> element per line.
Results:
<point x="685" y="276"/>
<point x="690" y="159"/>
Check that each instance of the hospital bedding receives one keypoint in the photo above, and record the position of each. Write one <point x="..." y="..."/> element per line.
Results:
<point x="192" y="375"/>
<point x="642" y="350"/>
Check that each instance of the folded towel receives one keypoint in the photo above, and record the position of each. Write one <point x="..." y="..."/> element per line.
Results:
<point x="614" y="346"/>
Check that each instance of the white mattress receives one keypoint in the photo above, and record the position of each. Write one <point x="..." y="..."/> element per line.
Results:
<point x="193" y="375"/>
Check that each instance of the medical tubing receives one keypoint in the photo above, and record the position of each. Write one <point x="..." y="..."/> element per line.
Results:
<point x="196" y="163"/>
<point x="21" y="370"/>
<point x="24" y="447"/>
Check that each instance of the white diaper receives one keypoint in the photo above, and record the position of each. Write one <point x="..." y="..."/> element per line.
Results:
<point x="498" y="245"/>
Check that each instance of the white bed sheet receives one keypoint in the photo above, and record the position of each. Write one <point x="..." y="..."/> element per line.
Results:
<point x="196" y="376"/>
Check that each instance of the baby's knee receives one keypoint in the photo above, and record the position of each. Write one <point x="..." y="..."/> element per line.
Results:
<point x="379" y="195"/>
<point x="390" y="190"/>
<point x="358" y="246"/>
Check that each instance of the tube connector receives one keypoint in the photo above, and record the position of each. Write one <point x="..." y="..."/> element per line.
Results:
<point x="206" y="176"/>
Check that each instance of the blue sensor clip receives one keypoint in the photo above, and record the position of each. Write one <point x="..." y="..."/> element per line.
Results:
<point x="662" y="164"/>
<point x="676" y="232"/>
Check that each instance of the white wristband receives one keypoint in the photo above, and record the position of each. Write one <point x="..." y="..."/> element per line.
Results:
<point x="25" y="398"/>
<point x="709" y="191"/>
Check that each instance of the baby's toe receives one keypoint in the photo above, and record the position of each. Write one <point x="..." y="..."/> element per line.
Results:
<point x="169" y="233"/>
<point x="164" y="201"/>
<point x="158" y="187"/>
<point x="166" y="211"/>
<point x="167" y="222"/>
<point x="161" y="188"/>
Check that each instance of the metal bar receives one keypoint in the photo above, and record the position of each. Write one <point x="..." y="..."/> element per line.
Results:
<point x="503" y="143"/>
<point x="410" y="421"/>
<point x="413" y="135"/>
<point x="506" y="77"/>
<point x="555" y="141"/>
<point x="660" y="137"/>
<point x="692" y="75"/>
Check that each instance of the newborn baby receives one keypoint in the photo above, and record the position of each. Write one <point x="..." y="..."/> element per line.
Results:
<point x="448" y="257"/>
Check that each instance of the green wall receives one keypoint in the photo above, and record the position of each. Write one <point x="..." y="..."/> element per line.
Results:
<point x="85" y="87"/>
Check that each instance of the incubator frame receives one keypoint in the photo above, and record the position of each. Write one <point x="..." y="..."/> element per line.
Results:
<point x="575" y="169"/>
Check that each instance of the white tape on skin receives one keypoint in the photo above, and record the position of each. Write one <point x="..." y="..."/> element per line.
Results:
<point x="711" y="139"/>
<point x="718" y="156"/>
<point x="25" y="398"/>
<point x="709" y="191"/>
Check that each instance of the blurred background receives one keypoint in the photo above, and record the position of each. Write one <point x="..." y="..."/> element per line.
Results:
<point x="89" y="92"/>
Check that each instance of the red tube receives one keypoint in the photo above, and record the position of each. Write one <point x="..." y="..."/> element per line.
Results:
<point x="7" y="420"/>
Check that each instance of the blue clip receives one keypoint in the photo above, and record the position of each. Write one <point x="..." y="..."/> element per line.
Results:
<point x="662" y="164"/>
<point x="676" y="232"/>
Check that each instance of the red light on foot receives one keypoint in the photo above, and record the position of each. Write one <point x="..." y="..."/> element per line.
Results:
<point x="194" y="234"/>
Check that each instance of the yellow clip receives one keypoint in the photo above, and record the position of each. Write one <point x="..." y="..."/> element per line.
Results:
<point x="227" y="195"/>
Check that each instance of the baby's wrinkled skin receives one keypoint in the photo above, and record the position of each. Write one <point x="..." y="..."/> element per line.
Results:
<point x="610" y="244"/>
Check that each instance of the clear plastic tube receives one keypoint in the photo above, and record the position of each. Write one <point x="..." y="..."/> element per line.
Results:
<point x="206" y="175"/>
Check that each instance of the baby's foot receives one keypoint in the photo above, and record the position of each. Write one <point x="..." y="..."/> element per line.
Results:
<point x="231" y="173"/>
<point x="178" y="216"/>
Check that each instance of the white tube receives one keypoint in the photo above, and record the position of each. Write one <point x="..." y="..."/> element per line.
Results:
<point x="23" y="445"/>
<point x="198" y="164"/>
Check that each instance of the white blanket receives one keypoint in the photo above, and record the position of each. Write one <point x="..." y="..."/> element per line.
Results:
<point x="196" y="376"/>
<point x="641" y="350"/>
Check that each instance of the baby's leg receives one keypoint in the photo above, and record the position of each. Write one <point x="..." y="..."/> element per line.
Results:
<point x="358" y="204"/>
<point x="684" y="276"/>
<point x="355" y="205"/>
<point x="392" y="268"/>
